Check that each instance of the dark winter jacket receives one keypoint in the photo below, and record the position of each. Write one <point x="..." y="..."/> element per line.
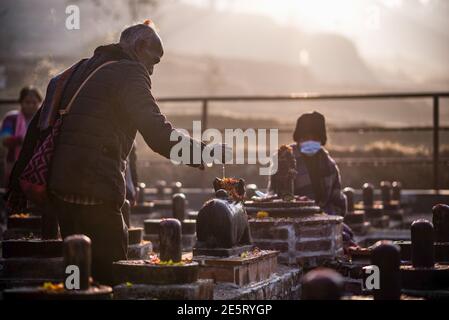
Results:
<point x="319" y="179"/>
<point x="326" y="178"/>
<point x="98" y="132"/>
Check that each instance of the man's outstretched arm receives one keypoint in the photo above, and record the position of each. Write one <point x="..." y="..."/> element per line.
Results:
<point x="144" y="112"/>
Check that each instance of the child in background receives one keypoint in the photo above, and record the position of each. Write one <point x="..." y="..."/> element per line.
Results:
<point x="14" y="126"/>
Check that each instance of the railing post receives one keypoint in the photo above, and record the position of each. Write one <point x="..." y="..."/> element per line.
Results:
<point x="204" y="114"/>
<point x="204" y="124"/>
<point x="436" y="142"/>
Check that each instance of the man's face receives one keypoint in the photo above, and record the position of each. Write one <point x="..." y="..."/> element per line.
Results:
<point x="150" y="52"/>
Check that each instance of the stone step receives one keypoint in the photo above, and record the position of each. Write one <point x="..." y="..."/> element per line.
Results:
<point x="37" y="293"/>
<point x="36" y="248"/>
<point x="139" y="272"/>
<point x="32" y="268"/>
<point x="10" y="234"/>
<point x="307" y="241"/>
<point x="237" y="270"/>
<point x="9" y="283"/>
<point x="284" y="284"/>
<point x="32" y="223"/>
<point x="203" y="289"/>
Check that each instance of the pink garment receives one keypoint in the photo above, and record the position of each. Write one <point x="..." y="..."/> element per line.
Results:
<point x="21" y="130"/>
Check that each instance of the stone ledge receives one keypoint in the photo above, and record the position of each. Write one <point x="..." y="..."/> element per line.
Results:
<point x="140" y="251"/>
<point x="275" y="233"/>
<point x="240" y="271"/>
<point x="32" y="268"/>
<point x="283" y="285"/>
<point x="316" y="219"/>
<point x="320" y="231"/>
<point x="314" y="245"/>
<point x="203" y="289"/>
<point x="309" y="241"/>
<point x="15" y="234"/>
<point x="99" y="292"/>
<point x="32" y="248"/>
<point x="9" y="283"/>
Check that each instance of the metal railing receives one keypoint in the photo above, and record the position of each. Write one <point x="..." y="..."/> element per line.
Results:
<point x="435" y="97"/>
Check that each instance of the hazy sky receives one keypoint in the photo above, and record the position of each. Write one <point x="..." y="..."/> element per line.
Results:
<point x="351" y="17"/>
<point x="361" y="20"/>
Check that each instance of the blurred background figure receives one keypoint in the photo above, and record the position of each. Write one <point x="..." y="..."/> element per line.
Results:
<point x="318" y="176"/>
<point x="15" y="124"/>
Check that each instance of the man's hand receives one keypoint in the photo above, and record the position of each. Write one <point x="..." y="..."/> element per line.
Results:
<point x="216" y="153"/>
<point x="221" y="153"/>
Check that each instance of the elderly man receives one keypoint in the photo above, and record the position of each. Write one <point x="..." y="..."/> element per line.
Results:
<point x="88" y="166"/>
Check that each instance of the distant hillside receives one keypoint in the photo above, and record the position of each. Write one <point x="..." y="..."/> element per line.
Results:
<point x="219" y="53"/>
<point x="27" y="30"/>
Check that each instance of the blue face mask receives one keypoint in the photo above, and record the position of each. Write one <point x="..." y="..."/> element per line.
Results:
<point x="310" y="147"/>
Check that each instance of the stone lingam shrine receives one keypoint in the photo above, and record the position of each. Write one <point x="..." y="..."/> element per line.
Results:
<point x="235" y="243"/>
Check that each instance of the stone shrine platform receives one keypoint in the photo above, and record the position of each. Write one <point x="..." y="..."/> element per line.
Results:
<point x="308" y="241"/>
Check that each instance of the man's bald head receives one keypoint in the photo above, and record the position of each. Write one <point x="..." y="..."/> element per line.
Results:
<point x="143" y="44"/>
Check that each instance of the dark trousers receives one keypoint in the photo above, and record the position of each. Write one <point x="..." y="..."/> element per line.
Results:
<point x="104" y="225"/>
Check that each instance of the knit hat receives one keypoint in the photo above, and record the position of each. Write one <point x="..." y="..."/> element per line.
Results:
<point x="312" y="123"/>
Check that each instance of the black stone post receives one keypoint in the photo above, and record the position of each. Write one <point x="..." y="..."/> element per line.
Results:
<point x="176" y="187"/>
<point x="141" y="193"/>
<point x="77" y="251"/>
<point x="322" y="284"/>
<point x="368" y="195"/>
<point x="160" y="188"/>
<point x="423" y="238"/>
<point x="179" y="206"/>
<point x="441" y="222"/>
<point x="397" y="189"/>
<point x="349" y="193"/>
<point x="385" y="189"/>
<point x="387" y="257"/>
<point x="126" y="210"/>
<point x="170" y="246"/>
